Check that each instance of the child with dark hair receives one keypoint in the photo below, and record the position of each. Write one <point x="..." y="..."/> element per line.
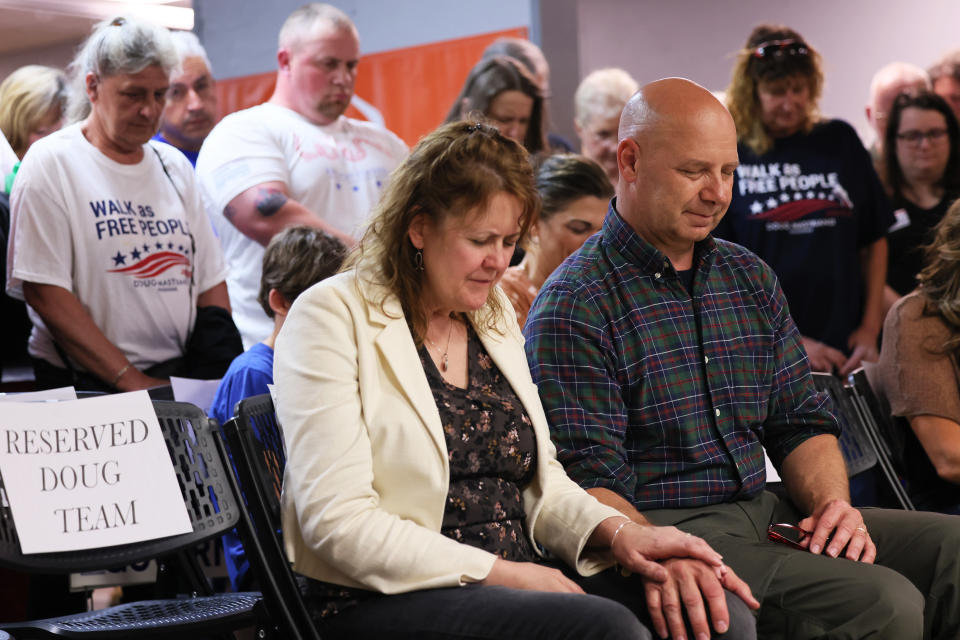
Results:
<point x="296" y="259"/>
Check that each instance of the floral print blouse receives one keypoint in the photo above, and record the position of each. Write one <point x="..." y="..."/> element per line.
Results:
<point x="491" y="448"/>
<point x="492" y="452"/>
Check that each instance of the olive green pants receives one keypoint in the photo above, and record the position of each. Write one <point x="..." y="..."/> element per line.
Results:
<point x="912" y="590"/>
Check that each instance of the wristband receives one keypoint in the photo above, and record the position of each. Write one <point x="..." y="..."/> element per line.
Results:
<point x="120" y="373"/>
<point x="617" y="532"/>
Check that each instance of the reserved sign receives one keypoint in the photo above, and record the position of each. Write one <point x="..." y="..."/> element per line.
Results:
<point x="88" y="473"/>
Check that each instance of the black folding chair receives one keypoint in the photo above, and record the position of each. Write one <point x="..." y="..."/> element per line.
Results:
<point x="862" y="442"/>
<point x="256" y="444"/>
<point x="879" y="428"/>
<point x="208" y="493"/>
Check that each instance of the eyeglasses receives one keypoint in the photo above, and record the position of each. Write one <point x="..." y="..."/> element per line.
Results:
<point x="788" y="534"/>
<point x="914" y="137"/>
<point x="780" y="48"/>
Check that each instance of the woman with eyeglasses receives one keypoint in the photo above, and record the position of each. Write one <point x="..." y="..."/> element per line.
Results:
<point x="922" y="159"/>
<point x="807" y="200"/>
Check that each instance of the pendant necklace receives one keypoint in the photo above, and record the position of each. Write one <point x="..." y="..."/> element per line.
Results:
<point x="444" y="360"/>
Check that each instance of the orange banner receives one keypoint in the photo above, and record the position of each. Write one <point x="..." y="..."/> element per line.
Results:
<point x="413" y="87"/>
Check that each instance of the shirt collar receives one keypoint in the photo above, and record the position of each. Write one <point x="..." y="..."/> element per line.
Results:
<point x="620" y="236"/>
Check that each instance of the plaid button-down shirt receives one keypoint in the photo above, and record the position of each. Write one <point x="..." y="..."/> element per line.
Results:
<point x="660" y="396"/>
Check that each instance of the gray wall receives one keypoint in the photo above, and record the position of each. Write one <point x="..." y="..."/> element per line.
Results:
<point x="649" y="38"/>
<point x="241" y="35"/>
<point x="58" y="56"/>
<point x="699" y="39"/>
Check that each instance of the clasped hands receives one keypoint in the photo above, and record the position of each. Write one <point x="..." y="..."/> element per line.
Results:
<point x="678" y="571"/>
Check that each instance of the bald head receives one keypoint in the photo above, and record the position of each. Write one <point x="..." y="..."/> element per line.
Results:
<point x="677" y="156"/>
<point x="668" y="104"/>
<point x="889" y="82"/>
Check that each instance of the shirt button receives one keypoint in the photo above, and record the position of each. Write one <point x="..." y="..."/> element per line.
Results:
<point x="657" y="275"/>
<point x="717" y="412"/>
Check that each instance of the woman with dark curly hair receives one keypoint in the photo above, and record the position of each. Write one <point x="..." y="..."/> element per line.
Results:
<point x="807" y="200"/>
<point x="922" y="160"/>
<point x="919" y="372"/>
<point x="502" y="91"/>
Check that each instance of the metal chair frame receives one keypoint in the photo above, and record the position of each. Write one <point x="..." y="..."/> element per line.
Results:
<point x="863" y="443"/>
<point x="255" y="442"/>
<point x="877" y="426"/>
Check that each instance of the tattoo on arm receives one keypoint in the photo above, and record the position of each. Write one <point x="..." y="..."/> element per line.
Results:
<point x="269" y="201"/>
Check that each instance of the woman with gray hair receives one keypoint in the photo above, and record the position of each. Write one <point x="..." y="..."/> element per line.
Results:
<point x="111" y="249"/>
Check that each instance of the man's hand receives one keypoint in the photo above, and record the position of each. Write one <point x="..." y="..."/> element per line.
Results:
<point x="530" y="576"/>
<point x="845" y="524"/>
<point x="135" y="380"/>
<point x="822" y="357"/>
<point x="690" y="582"/>
<point x="863" y="348"/>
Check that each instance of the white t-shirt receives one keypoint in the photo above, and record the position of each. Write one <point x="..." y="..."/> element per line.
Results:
<point x="118" y="237"/>
<point x="336" y="171"/>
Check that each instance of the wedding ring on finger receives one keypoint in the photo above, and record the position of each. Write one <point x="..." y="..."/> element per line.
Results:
<point x="862" y="530"/>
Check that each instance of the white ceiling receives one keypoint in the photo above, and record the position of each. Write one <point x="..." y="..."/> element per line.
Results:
<point x="37" y="24"/>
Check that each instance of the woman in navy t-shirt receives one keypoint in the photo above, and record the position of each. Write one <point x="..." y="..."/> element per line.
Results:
<point x="807" y="200"/>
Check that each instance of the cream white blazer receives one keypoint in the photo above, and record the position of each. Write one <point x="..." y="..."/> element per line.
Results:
<point x="367" y="469"/>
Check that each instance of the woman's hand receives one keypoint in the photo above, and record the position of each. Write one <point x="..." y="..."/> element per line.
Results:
<point x="637" y="546"/>
<point x="530" y="576"/>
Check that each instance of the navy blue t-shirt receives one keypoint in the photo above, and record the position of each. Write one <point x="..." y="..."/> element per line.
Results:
<point x="191" y="155"/>
<point x="807" y="207"/>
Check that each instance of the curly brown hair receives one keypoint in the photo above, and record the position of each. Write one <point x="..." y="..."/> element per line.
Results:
<point x="753" y="69"/>
<point x="450" y="173"/>
<point x="940" y="279"/>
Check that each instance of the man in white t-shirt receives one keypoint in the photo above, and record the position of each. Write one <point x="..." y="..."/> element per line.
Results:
<point x="295" y="159"/>
<point x="110" y="246"/>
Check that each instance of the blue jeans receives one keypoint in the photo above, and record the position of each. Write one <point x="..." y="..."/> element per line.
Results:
<point x="617" y="611"/>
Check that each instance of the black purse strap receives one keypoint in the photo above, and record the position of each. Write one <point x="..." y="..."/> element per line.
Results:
<point x="193" y="244"/>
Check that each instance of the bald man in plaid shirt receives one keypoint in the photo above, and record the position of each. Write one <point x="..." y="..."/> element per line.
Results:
<point x="666" y="359"/>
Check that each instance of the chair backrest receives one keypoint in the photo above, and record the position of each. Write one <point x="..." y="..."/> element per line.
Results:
<point x="255" y="444"/>
<point x="257" y="416"/>
<point x="858" y="452"/>
<point x="190" y="437"/>
<point x="879" y="427"/>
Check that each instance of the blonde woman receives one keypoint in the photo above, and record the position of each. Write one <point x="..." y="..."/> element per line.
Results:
<point x="32" y="102"/>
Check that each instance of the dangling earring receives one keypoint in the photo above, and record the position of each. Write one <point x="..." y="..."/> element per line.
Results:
<point x="418" y="260"/>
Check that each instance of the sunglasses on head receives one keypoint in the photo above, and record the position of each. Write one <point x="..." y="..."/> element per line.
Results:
<point x="780" y="48"/>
